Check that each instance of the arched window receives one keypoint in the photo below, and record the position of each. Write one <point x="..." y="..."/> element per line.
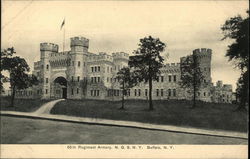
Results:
<point x="157" y="92"/>
<point x="169" y="92"/>
<point x="174" y="78"/>
<point x="174" y="92"/>
<point x="169" y="78"/>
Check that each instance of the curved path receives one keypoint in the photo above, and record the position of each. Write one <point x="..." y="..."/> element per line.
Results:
<point x="45" y="109"/>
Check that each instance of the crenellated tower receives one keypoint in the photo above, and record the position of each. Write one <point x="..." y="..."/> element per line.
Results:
<point x="204" y="57"/>
<point x="46" y="49"/>
<point x="79" y="44"/>
<point x="77" y="70"/>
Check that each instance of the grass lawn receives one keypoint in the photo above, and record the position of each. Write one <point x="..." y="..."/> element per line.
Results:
<point x="22" y="105"/>
<point x="205" y="115"/>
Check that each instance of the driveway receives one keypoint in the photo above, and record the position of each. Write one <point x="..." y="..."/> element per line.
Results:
<point x="45" y="109"/>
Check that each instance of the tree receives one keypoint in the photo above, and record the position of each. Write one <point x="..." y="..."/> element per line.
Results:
<point x="191" y="76"/>
<point x="126" y="80"/>
<point x="18" y="77"/>
<point x="237" y="29"/>
<point x="242" y="89"/>
<point x="147" y="62"/>
<point x="6" y="53"/>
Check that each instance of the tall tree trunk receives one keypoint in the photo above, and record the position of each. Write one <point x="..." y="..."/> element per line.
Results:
<point x="123" y="91"/>
<point x="194" y="99"/>
<point x="122" y="101"/>
<point x="13" y="96"/>
<point x="150" y="95"/>
<point x="194" y="82"/>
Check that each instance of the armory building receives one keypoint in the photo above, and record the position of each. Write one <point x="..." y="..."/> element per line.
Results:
<point x="79" y="74"/>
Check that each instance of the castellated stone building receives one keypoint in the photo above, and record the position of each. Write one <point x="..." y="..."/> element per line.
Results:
<point x="79" y="74"/>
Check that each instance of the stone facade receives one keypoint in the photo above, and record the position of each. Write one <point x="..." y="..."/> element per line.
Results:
<point x="79" y="74"/>
<point x="222" y="93"/>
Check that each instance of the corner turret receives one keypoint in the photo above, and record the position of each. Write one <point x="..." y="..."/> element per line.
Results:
<point x="204" y="57"/>
<point x="203" y="52"/>
<point x="49" y="47"/>
<point x="79" y="44"/>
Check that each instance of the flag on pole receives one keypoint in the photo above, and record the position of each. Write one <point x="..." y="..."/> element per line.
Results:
<point x="62" y="24"/>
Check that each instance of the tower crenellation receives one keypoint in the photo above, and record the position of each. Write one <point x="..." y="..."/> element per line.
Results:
<point x="203" y="52"/>
<point x="204" y="56"/>
<point x="171" y="66"/>
<point x="79" y="42"/>
<point x="49" y="47"/>
<point x="204" y="59"/>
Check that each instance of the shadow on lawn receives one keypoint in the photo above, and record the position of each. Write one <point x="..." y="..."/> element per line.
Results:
<point x="171" y="112"/>
<point x="22" y="105"/>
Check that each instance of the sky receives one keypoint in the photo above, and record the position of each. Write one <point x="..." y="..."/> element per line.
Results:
<point x="114" y="26"/>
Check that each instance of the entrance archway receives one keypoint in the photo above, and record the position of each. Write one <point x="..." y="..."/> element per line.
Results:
<point x="60" y="87"/>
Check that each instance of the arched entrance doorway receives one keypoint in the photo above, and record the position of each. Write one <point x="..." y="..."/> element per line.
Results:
<point x="60" y="87"/>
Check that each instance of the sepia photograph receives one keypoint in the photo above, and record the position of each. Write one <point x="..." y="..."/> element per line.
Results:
<point x="139" y="77"/>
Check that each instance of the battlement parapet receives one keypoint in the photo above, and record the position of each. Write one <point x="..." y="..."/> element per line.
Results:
<point x="105" y="56"/>
<point x="100" y="57"/>
<point x="49" y="47"/>
<point x="58" y="59"/>
<point x="122" y="55"/>
<point x="94" y="58"/>
<point x="79" y="41"/>
<point x="171" y="68"/>
<point x="202" y="51"/>
<point x="172" y="65"/>
<point x="59" y="54"/>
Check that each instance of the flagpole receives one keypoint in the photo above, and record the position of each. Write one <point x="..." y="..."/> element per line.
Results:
<point x="63" y="38"/>
<point x="64" y="35"/>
